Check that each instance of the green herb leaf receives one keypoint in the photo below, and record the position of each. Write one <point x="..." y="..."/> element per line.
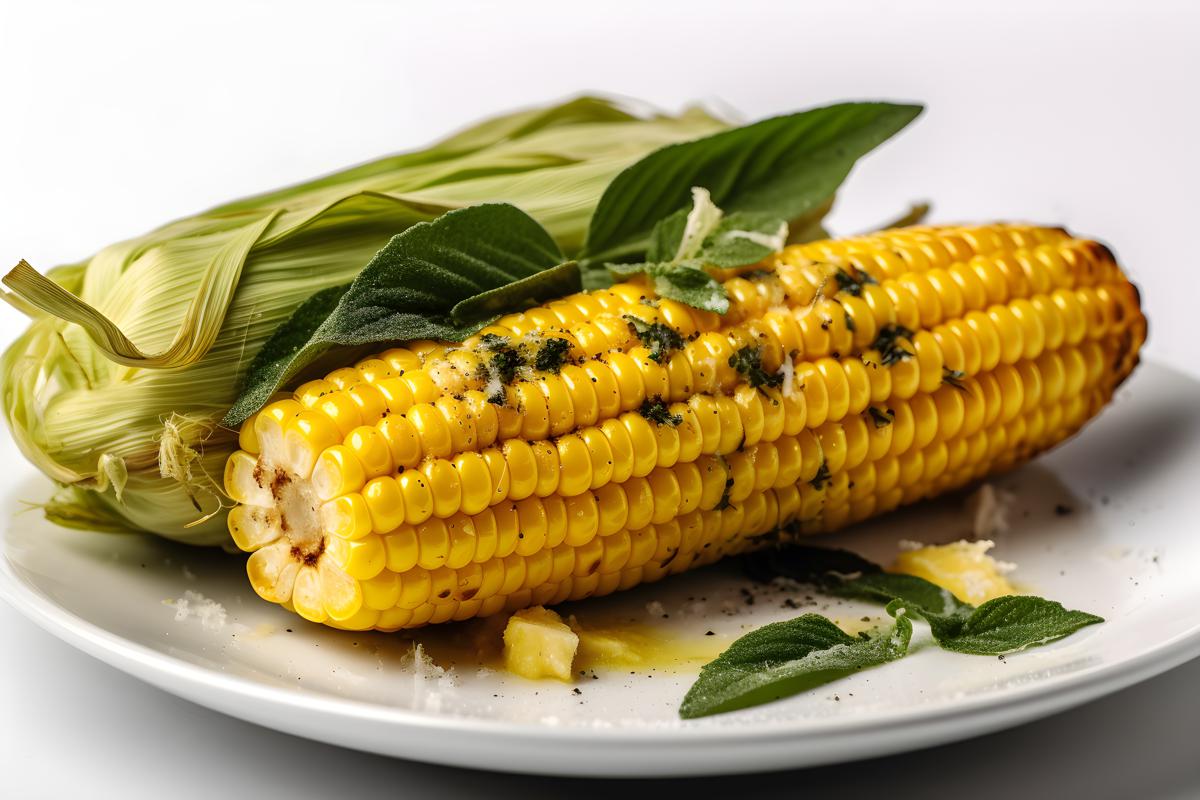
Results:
<point x="437" y="280"/>
<point x="686" y="282"/>
<point x="667" y="235"/>
<point x="1004" y="625"/>
<point x="1008" y="624"/>
<point x="844" y="574"/>
<point x="744" y="238"/>
<point x="686" y="242"/>
<point x="785" y="166"/>
<point x="520" y="294"/>
<point x="923" y="597"/>
<point x="785" y="658"/>
<point x="748" y="362"/>
<point x="808" y="564"/>
<point x="706" y="234"/>
<point x="661" y="340"/>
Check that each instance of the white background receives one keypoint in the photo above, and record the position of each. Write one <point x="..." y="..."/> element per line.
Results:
<point x="115" y="118"/>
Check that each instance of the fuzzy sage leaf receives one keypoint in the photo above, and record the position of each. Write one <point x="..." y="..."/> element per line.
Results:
<point x="999" y="626"/>
<point x="686" y="282"/>
<point x="685" y="243"/>
<point x="786" y="166"/>
<point x="444" y="279"/>
<point x="785" y="658"/>
<point x="1007" y="624"/>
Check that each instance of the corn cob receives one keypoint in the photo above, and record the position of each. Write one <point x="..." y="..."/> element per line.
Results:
<point x="614" y="437"/>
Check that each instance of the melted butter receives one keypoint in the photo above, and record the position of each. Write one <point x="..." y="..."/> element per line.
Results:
<point x="640" y="647"/>
<point x="606" y="645"/>
<point x="962" y="568"/>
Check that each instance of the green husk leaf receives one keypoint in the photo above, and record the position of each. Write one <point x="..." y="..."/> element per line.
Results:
<point x="197" y="331"/>
<point x="66" y="401"/>
<point x="411" y="289"/>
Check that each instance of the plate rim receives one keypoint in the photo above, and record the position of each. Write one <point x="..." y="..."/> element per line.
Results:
<point x="974" y="715"/>
<point x="1024" y="703"/>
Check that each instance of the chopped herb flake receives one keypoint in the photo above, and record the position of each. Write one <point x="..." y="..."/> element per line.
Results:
<point x="748" y="361"/>
<point x="888" y="344"/>
<point x="504" y="364"/>
<point x="552" y="355"/>
<point x="724" y="502"/>
<point x="657" y="412"/>
<point x="852" y="280"/>
<point x="880" y="418"/>
<point x="492" y="341"/>
<point x="822" y="477"/>
<point x="954" y="377"/>
<point x="661" y="340"/>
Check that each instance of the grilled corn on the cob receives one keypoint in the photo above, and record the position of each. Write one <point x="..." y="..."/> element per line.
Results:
<point x="613" y="437"/>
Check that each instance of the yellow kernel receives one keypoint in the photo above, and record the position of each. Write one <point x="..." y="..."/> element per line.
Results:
<point x="361" y="559"/>
<point x="418" y="500"/>
<point x="475" y="478"/>
<point x="445" y="486"/>
<point x="401" y="548"/>
<point x="338" y="471"/>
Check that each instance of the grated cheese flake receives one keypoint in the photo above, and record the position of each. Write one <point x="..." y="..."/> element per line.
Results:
<point x="194" y="604"/>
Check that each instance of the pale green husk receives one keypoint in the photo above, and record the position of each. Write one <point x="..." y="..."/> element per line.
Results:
<point x="118" y="397"/>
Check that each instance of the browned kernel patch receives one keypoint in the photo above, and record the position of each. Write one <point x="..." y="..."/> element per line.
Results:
<point x="308" y="557"/>
<point x="278" y="481"/>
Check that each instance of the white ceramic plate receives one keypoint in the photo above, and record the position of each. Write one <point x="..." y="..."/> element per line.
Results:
<point x="1128" y="551"/>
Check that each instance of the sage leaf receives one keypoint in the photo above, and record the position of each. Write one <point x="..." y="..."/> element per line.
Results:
<point x="808" y="564"/>
<point x="735" y="240"/>
<point x="686" y="243"/>
<point x="923" y="597"/>
<point x="666" y="237"/>
<point x="785" y="166"/>
<point x="686" y="282"/>
<point x="435" y="280"/>
<point x="520" y="294"/>
<point x="744" y="238"/>
<point x="785" y="658"/>
<point x="1003" y="625"/>
<point x="845" y="574"/>
<point x="1008" y="624"/>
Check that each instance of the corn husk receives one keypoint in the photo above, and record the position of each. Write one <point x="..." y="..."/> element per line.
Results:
<point x="116" y="389"/>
